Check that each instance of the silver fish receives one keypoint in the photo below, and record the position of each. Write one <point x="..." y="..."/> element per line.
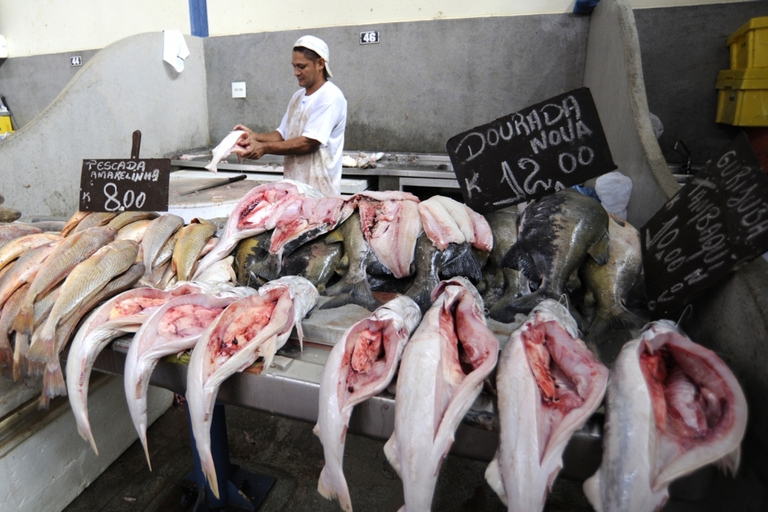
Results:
<point x="436" y="386"/>
<point x="155" y="238"/>
<point x="223" y="149"/>
<point x="672" y="406"/>
<point x="360" y="365"/>
<point x="548" y="385"/>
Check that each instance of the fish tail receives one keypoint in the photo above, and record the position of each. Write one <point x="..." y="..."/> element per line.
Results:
<point x="6" y="354"/>
<point x="326" y="488"/>
<point x="84" y="427"/>
<point x="53" y="381"/>
<point x="143" y="439"/>
<point x="267" y="268"/>
<point x="42" y="347"/>
<point x="358" y="293"/>
<point x="25" y="320"/>
<point x="421" y="292"/>
<point x="508" y="306"/>
<point x="616" y="319"/>
<point x="461" y="263"/>
<point x="20" y="365"/>
<point x="209" y="470"/>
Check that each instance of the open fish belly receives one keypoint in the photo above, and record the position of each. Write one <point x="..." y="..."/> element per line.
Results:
<point x="548" y="385"/>
<point x="436" y="386"/>
<point x="391" y="229"/>
<point x="672" y="407"/>
<point x="360" y="365"/>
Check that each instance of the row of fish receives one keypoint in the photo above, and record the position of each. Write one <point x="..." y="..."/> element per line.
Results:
<point x="672" y="406"/>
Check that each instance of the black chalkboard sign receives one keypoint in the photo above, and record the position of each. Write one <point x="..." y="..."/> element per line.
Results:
<point x="531" y="153"/>
<point x="714" y="223"/>
<point x="124" y="185"/>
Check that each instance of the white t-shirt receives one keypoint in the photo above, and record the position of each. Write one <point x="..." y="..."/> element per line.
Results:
<point x="321" y="116"/>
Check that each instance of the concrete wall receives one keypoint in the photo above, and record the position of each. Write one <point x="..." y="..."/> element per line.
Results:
<point x="683" y="49"/>
<point x="422" y="84"/>
<point x="125" y="87"/>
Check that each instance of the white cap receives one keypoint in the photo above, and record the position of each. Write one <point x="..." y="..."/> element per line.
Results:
<point x="318" y="46"/>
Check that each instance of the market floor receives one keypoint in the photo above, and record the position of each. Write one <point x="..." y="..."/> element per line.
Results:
<point x="289" y="452"/>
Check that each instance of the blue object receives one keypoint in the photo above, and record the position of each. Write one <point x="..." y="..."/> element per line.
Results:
<point x="585" y="6"/>
<point x="587" y="191"/>
<point x="198" y="17"/>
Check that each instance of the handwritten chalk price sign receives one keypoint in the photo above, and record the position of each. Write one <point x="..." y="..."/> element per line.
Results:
<point x="119" y="185"/>
<point x="714" y="223"/>
<point x="531" y="153"/>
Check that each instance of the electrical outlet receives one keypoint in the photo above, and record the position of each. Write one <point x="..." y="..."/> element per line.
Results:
<point x="238" y="89"/>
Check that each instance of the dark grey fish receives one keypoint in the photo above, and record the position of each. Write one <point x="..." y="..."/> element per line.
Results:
<point x="317" y="262"/>
<point x="502" y="284"/>
<point x="9" y="214"/>
<point x="248" y="255"/>
<point x="556" y="234"/>
<point x="353" y="288"/>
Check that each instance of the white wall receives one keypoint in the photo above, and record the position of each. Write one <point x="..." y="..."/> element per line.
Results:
<point x="39" y="27"/>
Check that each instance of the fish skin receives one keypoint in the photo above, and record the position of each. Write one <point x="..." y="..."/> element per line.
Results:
<point x="223" y="149"/>
<point x="386" y="331"/>
<point x="249" y="328"/>
<point x="254" y="214"/>
<point x="7" y="315"/>
<point x="121" y="314"/>
<point x="134" y="231"/>
<point x="316" y="261"/>
<point x="9" y="231"/>
<point x="611" y="284"/>
<point x="353" y="288"/>
<point x="8" y="214"/>
<point x="391" y="228"/>
<point x="249" y="251"/>
<point x="155" y="238"/>
<point x="433" y="392"/>
<point x="556" y="234"/>
<point x="24" y="270"/>
<point x="124" y="218"/>
<point x="448" y="221"/>
<point x="538" y="410"/>
<point x="74" y="249"/>
<point x="92" y="220"/>
<point x="160" y="336"/>
<point x="642" y="457"/>
<point x="189" y="244"/>
<point x="18" y="246"/>
<point x="502" y="284"/>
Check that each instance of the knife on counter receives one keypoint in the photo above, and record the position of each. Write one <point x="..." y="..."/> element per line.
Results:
<point x="233" y="179"/>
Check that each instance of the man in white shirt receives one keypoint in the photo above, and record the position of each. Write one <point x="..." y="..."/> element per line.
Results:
<point x="311" y="134"/>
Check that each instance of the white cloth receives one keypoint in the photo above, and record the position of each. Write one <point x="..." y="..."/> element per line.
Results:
<point x="175" y="49"/>
<point x="321" y="116"/>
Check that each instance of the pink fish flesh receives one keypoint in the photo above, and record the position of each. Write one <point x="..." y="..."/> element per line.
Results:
<point x="248" y="329"/>
<point x="672" y="406"/>
<point x="441" y="374"/>
<point x="391" y="228"/>
<point x="255" y="213"/>
<point x="548" y="385"/>
<point x="360" y="365"/>
<point x="448" y="221"/>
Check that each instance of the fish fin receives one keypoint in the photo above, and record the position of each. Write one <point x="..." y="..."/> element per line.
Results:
<point x="461" y="263"/>
<point x="334" y="236"/>
<point x="518" y="258"/>
<point x="358" y="293"/>
<point x="25" y="319"/>
<point x="53" y="381"/>
<point x="267" y="268"/>
<point x="730" y="463"/>
<point x="85" y="432"/>
<point x="616" y="319"/>
<point x="20" y="364"/>
<point x="591" y="488"/>
<point x="329" y="491"/>
<point x="505" y="309"/>
<point x="42" y="347"/>
<point x="599" y="250"/>
<point x="421" y="292"/>
<point x="390" y="450"/>
<point x="143" y="439"/>
<point x="493" y="477"/>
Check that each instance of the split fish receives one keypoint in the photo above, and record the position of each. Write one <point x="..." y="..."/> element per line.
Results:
<point x="441" y="374"/>
<point x="672" y="406"/>
<point x="255" y="213"/>
<point x="391" y="225"/>
<point x="123" y="313"/>
<point x="248" y="329"/>
<point x="556" y="233"/>
<point x="548" y="385"/>
<point x="225" y="147"/>
<point x="171" y="329"/>
<point x="446" y="221"/>
<point x="360" y="365"/>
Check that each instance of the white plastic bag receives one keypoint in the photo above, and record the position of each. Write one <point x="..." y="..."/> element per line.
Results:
<point x="614" y="190"/>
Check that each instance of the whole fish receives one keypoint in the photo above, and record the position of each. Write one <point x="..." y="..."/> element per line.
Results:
<point x="189" y="244"/>
<point x="224" y="148"/>
<point x="11" y="230"/>
<point x="94" y="219"/>
<point x="255" y="213"/>
<point x="316" y="261"/>
<point x="353" y="288"/>
<point x="123" y="313"/>
<point x="134" y="231"/>
<point x="73" y="221"/>
<point x="85" y="281"/>
<point x="502" y="284"/>
<point x="173" y="328"/>
<point x="611" y="284"/>
<point x="124" y="218"/>
<point x="441" y="374"/>
<point x="155" y="237"/>
<point x="7" y="315"/>
<point x="555" y="235"/>
<point x="672" y="406"/>
<point x="548" y="385"/>
<point x="18" y="246"/>
<point x="360" y="365"/>
<point x="248" y="329"/>
<point x="391" y="225"/>
<point x="24" y="270"/>
<point x="74" y="249"/>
